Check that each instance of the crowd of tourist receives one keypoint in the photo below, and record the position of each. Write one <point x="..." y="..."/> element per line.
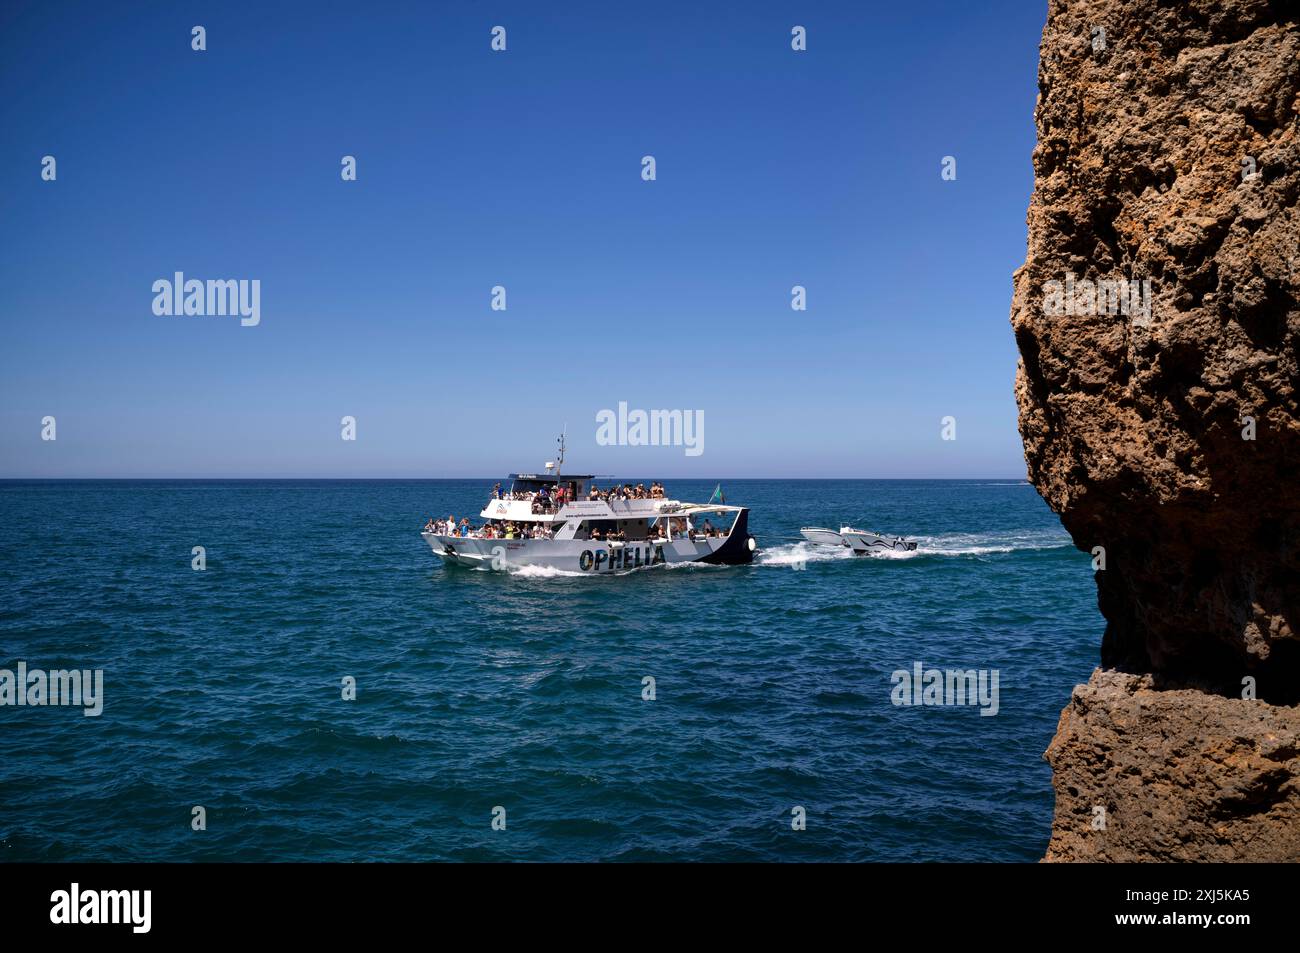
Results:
<point x="550" y="499"/>
<point x="544" y="500"/>
<point x="492" y="529"/>
<point x="626" y="491"/>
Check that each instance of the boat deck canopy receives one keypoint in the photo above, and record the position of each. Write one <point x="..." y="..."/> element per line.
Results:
<point x="690" y="509"/>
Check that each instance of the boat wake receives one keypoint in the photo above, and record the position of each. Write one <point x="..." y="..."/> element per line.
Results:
<point x="944" y="544"/>
<point x="544" y="572"/>
<point x="985" y="544"/>
<point x="793" y="554"/>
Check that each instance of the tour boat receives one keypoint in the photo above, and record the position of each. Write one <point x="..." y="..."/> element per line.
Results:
<point x="575" y="535"/>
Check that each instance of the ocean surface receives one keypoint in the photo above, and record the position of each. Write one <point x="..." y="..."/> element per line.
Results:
<point x="477" y="691"/>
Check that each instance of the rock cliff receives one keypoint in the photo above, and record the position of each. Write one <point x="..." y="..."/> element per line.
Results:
<point x="1159" y="331"/>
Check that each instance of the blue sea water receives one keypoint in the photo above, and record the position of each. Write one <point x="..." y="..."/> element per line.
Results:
<point x="479" y="690"/>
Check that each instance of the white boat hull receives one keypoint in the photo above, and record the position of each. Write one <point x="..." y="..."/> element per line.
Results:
<point x="594" y="556"/>
<point x="822" y="537"/>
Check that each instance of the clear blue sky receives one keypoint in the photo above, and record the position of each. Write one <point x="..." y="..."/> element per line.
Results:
<point x="520" y="169"/>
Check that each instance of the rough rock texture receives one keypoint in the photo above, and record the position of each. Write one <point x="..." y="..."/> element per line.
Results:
<point x="1181" y="775"/>
<point x="1133" y="427"/>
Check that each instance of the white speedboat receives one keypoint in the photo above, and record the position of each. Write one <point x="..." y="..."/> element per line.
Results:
<point x="561" y="521"/>
<point x="860" y="541"/>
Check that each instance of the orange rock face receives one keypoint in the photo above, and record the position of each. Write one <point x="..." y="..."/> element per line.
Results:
<point x="1158" y="325"/>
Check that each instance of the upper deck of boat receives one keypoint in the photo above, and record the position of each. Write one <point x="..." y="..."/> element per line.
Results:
<point x="521" y="500"/>
<point x="529" y="510"/>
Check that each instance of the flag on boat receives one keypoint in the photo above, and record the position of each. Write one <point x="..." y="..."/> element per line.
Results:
<point x="717" y="496"/>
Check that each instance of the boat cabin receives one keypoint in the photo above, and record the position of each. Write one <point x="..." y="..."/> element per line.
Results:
<point x="529" y="483"/>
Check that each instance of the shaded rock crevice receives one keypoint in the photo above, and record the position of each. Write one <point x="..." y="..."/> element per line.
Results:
<point x="1163" y="427"/>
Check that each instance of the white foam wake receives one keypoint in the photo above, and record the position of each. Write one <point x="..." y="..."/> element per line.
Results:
<point x="944" y="544"/>
<point x="544" y="572"/>
<point x="793" y="554"/>
<point x="983" y="544"/>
